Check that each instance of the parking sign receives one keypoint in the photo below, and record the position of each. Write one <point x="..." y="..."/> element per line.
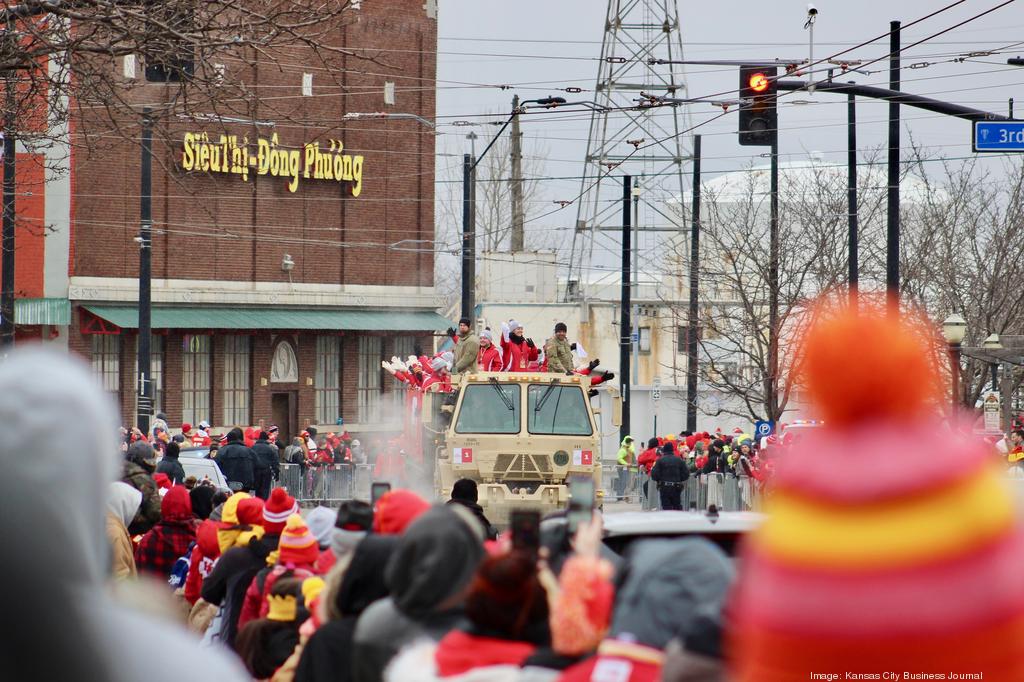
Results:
<point x="764" y="429"/>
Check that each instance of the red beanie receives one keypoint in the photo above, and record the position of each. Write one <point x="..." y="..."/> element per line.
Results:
<point x="186" y="427"/>
<point x="396" y="510"/>
<point x="162" y="480"/>
<point x="250" y="511"/>
<point x="276" y="511"/>
<point x="297" y="545"/>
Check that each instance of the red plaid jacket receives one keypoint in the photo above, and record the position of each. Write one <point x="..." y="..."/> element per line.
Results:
<point x="161" y="546"/>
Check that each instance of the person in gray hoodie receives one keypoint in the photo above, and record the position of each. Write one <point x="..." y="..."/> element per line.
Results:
<point x="70" y="628"/>
<point x="428" y="576"/>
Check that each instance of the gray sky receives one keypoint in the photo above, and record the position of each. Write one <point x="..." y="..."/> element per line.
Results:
<point x="540" y="46"/>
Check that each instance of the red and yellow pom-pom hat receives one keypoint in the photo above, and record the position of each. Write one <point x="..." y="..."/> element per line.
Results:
<point x="890" y="544"/>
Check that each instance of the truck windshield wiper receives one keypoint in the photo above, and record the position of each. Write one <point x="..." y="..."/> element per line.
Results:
<point x="501" y="394"/>
<point x="543" y="398"/>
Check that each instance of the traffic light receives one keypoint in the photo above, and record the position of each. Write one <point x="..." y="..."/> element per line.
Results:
<point x="759" y="120"/>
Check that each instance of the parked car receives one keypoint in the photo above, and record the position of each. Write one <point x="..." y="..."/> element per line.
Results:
<point x="725" y="529"/>
<point x="204" y="468"/>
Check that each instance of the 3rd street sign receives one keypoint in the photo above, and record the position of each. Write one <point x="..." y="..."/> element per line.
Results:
<point x="999" y="136"/>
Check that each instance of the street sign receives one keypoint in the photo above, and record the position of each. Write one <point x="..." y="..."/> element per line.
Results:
<point x="656" y="389"/>
<point x="764" y="429"/>
<point x="634" y="337"/>
<point x="999" y="136"/>
<point x="991" y="409"/>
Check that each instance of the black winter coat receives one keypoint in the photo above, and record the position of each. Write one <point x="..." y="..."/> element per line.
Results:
<point x="228" y="581"/>
<point x="172" y="467"/>
<point x="267" y="457"/>
<point x="670" y="469"/>
<point x="238" y="463"/>
<point x="716" y="464"/>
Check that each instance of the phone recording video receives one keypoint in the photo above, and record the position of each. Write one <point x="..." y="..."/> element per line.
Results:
<point x="525" y="530"/>
<point x="377" y="491"/>
<point x="581" y="503"/>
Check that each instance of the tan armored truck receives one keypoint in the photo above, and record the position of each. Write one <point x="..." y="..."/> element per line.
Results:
<point x="520" y="435"/>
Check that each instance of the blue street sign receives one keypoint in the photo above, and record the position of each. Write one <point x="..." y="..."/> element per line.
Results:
<point x="634" y="337"/>
<point x="999" y="136"/>
<point x="763" y="429"/>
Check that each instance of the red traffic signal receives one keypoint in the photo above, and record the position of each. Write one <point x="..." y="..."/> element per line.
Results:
<point x="758" y="117"/>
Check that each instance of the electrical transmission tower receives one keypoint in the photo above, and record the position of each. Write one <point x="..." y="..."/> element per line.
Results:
<point x="635" y="31"/>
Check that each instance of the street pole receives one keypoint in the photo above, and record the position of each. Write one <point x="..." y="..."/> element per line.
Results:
<point x="635" y="338"/>
<point x="773" y="285"/>
<point x="692" y="321"/>
<point x="624" y="308"/>
<point x="7" y="262"/>
<point x="892" y="242"/>
<point x="518" y="232"/>
<point x="851" y="194"/>
<point x="145" y="395"/>
<point x="954" y="358"/>
<point x="468" y="238"/>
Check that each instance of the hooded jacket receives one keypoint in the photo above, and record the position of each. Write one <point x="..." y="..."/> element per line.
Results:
<point x="171" y="466"/>
<point x="141" y="478"/>
<point x="236" y="461"/>
<point x="69" y="611"/>
<point x="691" y="573"/>
<point x="427" y="577"/>
<point x="362" y="585"/>
<point x="267" y="457"/>
<point x="627" y="451"/>
<point x="122" y="503"/>
<point x="204" y="554"/>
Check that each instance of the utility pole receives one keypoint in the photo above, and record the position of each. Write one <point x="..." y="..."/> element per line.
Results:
<point x="7" y="260"/>
<point x="892" y="241"/>
<point x="145" y="397"/>
<point x="851" y="195"/>
<point x="624" y="308"/>
<point x="516" y="155"/>
<point x="635" y="291"/>
<point x="468" y="237"/>
<point x="692" y="322"/>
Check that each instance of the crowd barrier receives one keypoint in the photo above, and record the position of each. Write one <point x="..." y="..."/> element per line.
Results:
<point x="725" y="491"/>
<point x="329" y="484"/>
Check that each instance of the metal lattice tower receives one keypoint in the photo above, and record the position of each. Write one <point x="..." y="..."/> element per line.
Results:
<point x="635" y="31"/>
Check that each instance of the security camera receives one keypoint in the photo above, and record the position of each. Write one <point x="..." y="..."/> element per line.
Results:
<point x="811" y="10"/>
<point x="287" y="263"/>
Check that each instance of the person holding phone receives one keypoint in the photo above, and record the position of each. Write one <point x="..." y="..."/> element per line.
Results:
<point x="670" y="472"/>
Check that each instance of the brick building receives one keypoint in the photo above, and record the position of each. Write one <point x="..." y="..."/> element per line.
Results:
<point x="287" y="260"/>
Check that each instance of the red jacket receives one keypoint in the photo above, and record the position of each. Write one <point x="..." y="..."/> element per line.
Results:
<point x="489" y="359"/>
<point x="255" y="604"/>
<point x="204" y="555"/>
<point x="618" y="661"/>
<point x="518" y="356"/>
<point x="647" y="459"/>
<point x="459" y="652"/>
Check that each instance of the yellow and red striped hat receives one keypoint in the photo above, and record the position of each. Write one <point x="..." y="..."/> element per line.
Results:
<point x="890" y="543"/>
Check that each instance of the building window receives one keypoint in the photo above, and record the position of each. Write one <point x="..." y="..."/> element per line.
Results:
<point x="156" y="371"/>
<point x="106" y="362"/>
<point x="328" y="379"/>
<point x="368" y="387"/>
<point x="644" y="340"/>
<point x="195" y="378"/>
<point x="237" y="359"/>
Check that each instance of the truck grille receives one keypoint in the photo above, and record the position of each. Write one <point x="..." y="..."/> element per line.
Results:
<point x="522" y="466"/>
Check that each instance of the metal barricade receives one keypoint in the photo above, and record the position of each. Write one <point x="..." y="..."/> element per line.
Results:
<point x="725" y="491"/>
<point x="328" y="484"/>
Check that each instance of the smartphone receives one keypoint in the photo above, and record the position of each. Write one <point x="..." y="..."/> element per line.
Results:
<point x="581" y="502"/>
<point x="525" y="529"/>
<point x="377" y="491"/>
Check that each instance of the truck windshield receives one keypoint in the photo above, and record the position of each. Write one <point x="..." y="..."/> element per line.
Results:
<point x="557" y="411"/>
<point x="489" y="408"/>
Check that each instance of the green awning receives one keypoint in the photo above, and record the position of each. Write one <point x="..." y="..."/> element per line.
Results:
<point x="225" y="317"/>
<point x="55" y="311"/>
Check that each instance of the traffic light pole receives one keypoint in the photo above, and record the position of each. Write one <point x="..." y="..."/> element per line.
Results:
<point x="851" y="196"/>
<point x="145" y="387"/>
<point x="773" y="286"/>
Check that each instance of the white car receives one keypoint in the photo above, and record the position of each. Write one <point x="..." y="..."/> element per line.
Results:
<point x="725" y="528"/>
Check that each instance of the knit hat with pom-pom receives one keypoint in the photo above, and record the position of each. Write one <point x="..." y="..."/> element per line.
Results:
<point x="297" y="546"/>
<point x="279" y="506"/>
<point x="888" y="544"/>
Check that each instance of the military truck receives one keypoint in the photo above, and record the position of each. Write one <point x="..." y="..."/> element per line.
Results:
<point x="520" y="435"/>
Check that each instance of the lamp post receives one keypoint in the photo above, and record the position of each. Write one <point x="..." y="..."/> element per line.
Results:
<point x="954" y="328"/>
<point x="992" y="344"/>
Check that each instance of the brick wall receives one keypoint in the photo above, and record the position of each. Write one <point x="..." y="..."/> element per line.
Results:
<point x="219" y="227"/>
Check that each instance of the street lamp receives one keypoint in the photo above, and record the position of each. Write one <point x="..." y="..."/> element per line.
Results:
<point x="992" y="344"/>
<point x="954" y="328"/>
